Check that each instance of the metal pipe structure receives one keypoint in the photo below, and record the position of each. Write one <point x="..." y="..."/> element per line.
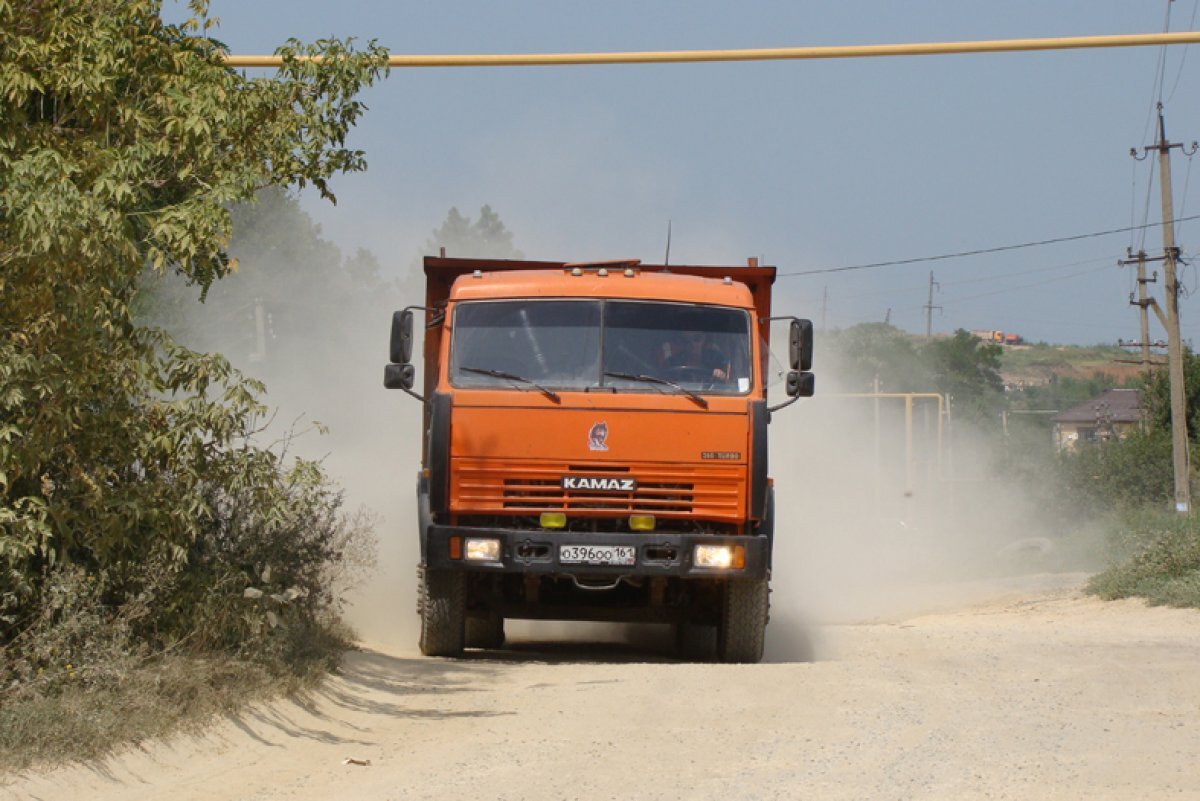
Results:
<point x="763" y="54"/>
<point x="908" y="397"/>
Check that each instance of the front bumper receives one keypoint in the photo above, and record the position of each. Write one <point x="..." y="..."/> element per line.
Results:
<point x="659" y="553"/>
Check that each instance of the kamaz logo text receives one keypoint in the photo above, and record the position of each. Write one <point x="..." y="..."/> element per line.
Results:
<point x="599" y="483"/>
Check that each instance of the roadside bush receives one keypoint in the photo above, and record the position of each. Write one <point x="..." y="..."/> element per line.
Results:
<point x="1158" y="558"/>
<point x="1121" y="474"/>
<point x="237" y="552"/>
<point x="264" y="578"/>
<point x="184" y="505"/>
<point x="214" y="574"/>
<point x="78" y="680"/>
<point x="139" y="517"/>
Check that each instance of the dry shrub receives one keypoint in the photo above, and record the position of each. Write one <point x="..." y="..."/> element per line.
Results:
<point x="1158" y="559"/>
<point x="137" y="649"/>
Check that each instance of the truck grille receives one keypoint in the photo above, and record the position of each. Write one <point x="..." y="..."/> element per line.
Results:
<point x="699" y="490"/>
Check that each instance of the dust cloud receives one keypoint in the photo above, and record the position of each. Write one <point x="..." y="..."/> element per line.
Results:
<point x="875" y="519"/>
<point x="371" y="451"/>
<point x="320" y="351"/>
<point x="878" y="519"/>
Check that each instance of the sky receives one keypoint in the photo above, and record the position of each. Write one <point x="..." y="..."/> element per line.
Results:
<point x="809" y="165"/>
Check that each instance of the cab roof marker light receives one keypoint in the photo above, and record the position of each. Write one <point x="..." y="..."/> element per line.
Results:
<point x="603" y="273"/>
<point x="577" y="272"/>
<point x="477" y="274"/>
<point x="629" y="273"/>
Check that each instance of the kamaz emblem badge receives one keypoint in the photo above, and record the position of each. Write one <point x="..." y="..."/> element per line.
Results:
<point x="598" y="437"/>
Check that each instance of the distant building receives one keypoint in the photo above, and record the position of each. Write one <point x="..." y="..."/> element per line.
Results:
<point x="1110" y="415"/>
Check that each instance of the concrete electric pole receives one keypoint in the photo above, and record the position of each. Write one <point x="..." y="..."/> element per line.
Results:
<point x="1144" y="303"/>
<point x="929" y="307"/>
<point x="1179" y="433"/>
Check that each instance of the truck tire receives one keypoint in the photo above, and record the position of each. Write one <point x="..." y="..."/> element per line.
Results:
<point x="443" y="608"/>
<point x="742" y="631"/>
<point x="485" y="632"/>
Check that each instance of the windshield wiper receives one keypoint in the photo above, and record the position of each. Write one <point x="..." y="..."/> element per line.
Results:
<point x="650" y="379"/>
<point x="549" y="393"/>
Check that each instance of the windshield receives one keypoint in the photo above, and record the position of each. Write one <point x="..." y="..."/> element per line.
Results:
<point x="586" y="344"/>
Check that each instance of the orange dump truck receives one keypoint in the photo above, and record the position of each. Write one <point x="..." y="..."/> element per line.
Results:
<point x="594" y="446"/>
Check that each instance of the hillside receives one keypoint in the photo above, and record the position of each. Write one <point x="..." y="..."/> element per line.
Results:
<point x="1040" y="364"/>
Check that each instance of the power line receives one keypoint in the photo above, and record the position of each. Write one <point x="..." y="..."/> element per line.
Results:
<point x="978" y="252"/>
<point x="1007" y="275"/>
<point x="1156" y="101"/>
<point x="980" y="279"/>
<point x="1146" y="208"/>
<point x="1183" y="58"/>
<point x="1187" y="180"/>
<point x="1026" y="286"/>
<point x="1160" y="69"/>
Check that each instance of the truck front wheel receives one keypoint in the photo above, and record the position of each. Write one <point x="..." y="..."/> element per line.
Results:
<point x="443" y="608"/>
<point x="742" y="631"/>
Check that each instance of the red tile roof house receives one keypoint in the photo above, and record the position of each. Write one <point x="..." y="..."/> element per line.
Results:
<point x="1112" y="413"/>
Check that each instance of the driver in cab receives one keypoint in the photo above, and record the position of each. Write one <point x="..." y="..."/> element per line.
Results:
<point x="698" y="353"/>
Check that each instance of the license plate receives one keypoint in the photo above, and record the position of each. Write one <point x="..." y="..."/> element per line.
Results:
<point x="597" y="554"/>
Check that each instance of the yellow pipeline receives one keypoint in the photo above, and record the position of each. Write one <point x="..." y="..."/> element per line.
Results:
<point x="909" y="397"/>
<point x="766" y="54"/>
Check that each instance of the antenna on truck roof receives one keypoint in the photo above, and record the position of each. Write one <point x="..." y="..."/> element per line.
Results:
<point x="667" y="258"/>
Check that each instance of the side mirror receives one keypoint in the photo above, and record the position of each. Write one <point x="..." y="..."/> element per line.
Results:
<point x="399" y="376"/>
<point x="402" y="337"/>
<point x="800" y="345"/>
<point x="801" y="384"/>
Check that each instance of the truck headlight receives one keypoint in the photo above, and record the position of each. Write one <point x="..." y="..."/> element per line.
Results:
<point x="721" y="557"/>
<point x="483" y="550"/>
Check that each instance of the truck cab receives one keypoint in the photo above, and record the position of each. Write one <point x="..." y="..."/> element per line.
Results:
<point x="594" y="446"/>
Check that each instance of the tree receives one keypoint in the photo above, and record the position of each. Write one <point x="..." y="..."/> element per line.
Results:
<point x="968" y="369"/>
<point x="1156" y="399"/>
<point x="123" y="143"/>
<point x="485" y="238"/>
<point x="868" y="351"/>
<point x="294" y="290"/>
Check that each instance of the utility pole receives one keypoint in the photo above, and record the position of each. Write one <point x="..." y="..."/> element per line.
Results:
<point x="1179" y="434"/>
<point x="260" y="333"/>
<point x="929" y="307"/>
<point x="1143" y="302"/>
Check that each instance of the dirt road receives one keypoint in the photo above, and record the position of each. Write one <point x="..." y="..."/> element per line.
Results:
<point x="1044" y="695"/>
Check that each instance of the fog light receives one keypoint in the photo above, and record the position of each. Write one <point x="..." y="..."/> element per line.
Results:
<point x="720" y="556"/>
<point x="479" y="550"/>
<point x="553" y="520"/>
<point x="641" y="522"/>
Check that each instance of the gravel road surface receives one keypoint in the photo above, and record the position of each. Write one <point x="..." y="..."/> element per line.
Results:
<point x="1042" y="694"/>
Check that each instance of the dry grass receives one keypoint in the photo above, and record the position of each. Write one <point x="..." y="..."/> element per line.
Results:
<point x="81" y="682"/>
<point x="80" y="717"/>
<point x="132" y="702"/>
<point x="1158" y="559"/>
